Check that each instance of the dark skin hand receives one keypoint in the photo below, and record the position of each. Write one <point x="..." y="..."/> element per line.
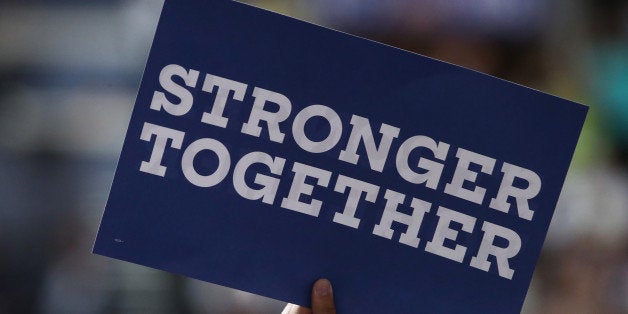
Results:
<point x="322" y="300"/>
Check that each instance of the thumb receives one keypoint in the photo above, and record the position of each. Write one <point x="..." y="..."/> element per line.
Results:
<point x="323" y="298"/>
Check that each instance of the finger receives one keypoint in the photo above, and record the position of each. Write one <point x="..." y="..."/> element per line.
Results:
<point x="323" y="298"/>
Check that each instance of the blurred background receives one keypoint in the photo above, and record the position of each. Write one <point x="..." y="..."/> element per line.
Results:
<point x="69" y="71"/>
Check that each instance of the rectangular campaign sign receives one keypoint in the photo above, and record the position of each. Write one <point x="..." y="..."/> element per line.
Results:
<point x="264" y="152"/>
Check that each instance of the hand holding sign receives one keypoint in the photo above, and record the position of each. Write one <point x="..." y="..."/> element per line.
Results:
<point x="322" y="300"/>
<point x="264" y="152"/>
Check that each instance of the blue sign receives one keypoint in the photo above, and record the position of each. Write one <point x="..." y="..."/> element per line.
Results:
<point x="265" y="152"/>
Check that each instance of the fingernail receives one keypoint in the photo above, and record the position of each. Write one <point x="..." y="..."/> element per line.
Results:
<point x="322" y="287"/>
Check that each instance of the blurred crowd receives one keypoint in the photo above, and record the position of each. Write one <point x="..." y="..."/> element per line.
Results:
<point x="69" y="71"/>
